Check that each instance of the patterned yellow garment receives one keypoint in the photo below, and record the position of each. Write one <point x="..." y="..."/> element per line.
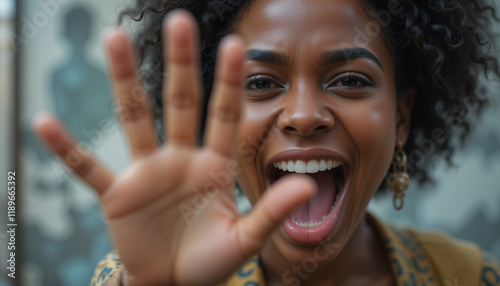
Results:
<point x="423" y="259"/>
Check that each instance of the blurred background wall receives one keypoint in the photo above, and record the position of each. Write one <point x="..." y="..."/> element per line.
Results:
<point x="63" y="71"/>
<point x="61" y="232"/>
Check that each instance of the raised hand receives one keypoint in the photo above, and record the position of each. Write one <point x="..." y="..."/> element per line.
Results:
<point x="171" y="213"/>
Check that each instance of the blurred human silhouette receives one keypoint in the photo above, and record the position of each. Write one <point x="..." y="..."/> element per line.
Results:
<point x="56" y="215"/>
<point x="81" y="90"/>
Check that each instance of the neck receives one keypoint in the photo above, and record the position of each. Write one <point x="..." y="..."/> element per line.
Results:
<point x="362" y="259"/>
<point x="77" y="55"/>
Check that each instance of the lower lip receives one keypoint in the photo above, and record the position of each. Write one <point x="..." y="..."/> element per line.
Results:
<point x="309" y="235"/>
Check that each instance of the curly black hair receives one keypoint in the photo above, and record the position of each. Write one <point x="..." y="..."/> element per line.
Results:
<point x="442" y="50"/>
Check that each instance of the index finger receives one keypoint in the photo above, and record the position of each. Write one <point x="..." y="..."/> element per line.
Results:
<point x="224" y="112"/>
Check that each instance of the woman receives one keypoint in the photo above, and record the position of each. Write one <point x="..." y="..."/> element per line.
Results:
<point x="313" y="102"/>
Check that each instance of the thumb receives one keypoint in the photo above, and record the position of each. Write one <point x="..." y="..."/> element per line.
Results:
<point x="276" y="203"/>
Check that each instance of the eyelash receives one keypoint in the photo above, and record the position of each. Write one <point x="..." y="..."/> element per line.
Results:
<point x="261" y="77"/>
<point x="364" y="80"/>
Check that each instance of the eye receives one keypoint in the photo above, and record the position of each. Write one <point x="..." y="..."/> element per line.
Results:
<point x="261" y="82"/>
<point x="350" y="80"/>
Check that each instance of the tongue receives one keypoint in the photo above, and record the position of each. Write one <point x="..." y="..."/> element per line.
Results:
<point x="320" y="205"/>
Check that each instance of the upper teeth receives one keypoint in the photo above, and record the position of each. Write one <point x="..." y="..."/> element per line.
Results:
<point x="311" y="166"/>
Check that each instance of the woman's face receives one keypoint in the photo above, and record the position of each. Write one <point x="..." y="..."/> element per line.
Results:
<point x="319" y="99"/>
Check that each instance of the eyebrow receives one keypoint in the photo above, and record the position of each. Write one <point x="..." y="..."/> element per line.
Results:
<point x="326" y="58"/>
<point x="346" y="55"/>
<point x="268" y="57"/>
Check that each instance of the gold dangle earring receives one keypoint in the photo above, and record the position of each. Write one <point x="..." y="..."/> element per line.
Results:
<point x="399" y="180"/>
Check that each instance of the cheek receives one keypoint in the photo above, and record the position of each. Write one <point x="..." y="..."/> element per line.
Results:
<point x="253" y="133"/>
<point x="372" y="128"/>
<point x="253" y="129"/>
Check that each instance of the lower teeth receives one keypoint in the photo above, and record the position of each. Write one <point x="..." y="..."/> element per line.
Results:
<point x="323" y="219"/>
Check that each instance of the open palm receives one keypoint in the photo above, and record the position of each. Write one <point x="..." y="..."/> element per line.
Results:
<point x="171" y="213"/>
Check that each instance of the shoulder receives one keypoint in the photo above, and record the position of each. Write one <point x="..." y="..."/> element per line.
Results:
<point x="490" y="270"/>
<point x="437" y="257"/>
<point x="455" y="258"/>
<point x="452" y="260"/>
<point x="441" y="246"/>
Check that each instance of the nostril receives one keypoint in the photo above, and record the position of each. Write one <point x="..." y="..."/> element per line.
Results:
<point x="305" y="123"/>
<point x="317" y="129"/>
<point x="321" y="128"/>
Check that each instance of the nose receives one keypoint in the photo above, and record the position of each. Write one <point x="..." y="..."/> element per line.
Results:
<point x="305" y="116"/>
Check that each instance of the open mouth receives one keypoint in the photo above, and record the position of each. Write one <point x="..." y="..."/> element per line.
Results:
<point x="314" y="220"/>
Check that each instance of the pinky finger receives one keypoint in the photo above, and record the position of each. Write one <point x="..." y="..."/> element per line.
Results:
<point x="59" y="140"/>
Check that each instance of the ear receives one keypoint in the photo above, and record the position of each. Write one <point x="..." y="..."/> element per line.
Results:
<point x="403" y="117"/>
